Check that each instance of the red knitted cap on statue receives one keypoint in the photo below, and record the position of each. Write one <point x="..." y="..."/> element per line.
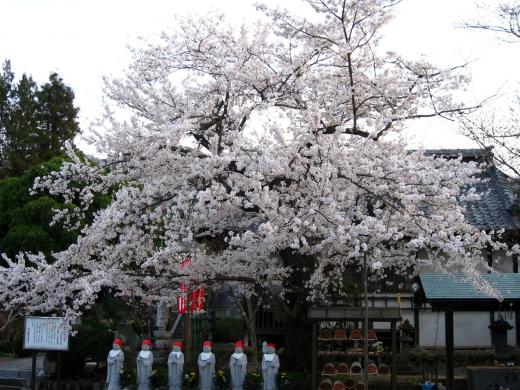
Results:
<point x="118" y="342"/>
<point x="207" y="344"/>
<point x="271" y="345"/>
<point x="177" y="344"/>
<point x="147" y="342"/>
<point x="239" y="344"/>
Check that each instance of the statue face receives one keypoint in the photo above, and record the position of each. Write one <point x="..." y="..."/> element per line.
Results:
<point x="238" y="350"/>
<point x="270" y="350"/>
<point x="206" y="349"/>
<point x="116" y="347"/>
<point x="176" y="348"/>
<point x="145" y="347"/>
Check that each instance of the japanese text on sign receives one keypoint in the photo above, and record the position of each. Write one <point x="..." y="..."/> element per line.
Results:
<point x="46" y="333"/>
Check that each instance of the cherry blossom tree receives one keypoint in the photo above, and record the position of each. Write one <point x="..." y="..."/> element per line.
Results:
<point x="497" y="126"/>
<point x="268" y="154"/>
<point x="501" y="17"/>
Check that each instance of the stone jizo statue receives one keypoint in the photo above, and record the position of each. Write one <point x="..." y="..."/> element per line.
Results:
<point x="238" y="366"/>
<point x="144" y="366"/>
<point x="175" y="366"/>
<point x="115" y="361"/>
<point x="206" y="363"/>
<point x="270" y="365"/>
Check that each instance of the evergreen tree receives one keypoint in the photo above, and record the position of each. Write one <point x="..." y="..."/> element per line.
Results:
<point x="22" y="128"/>
<point x="25" y="220"/>
<point x="35" y="121"/>
<point x="57" y="116"/>
<point x="6" y="98"/>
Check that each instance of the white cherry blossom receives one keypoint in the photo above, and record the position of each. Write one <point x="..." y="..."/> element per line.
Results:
<point x="242" y="145"/>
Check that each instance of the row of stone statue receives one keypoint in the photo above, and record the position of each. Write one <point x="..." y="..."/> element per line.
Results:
<point x="206" y="364"/>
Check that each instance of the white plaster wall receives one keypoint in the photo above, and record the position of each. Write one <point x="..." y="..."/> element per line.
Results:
<point x="470" y="329"/>
<point x="431" y="329"/>
<point x="382" y="325"/>
<point x="391" y="301"/>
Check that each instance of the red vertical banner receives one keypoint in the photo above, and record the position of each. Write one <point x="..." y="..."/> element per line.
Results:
<point x="181" y="304"/>
<point x="192" y="300"/>
<point x="182" y="300"/>
<point x="196" y="300"/>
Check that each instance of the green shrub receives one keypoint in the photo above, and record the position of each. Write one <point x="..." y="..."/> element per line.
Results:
<point x="229" y="329"/>
<point x="127" y="379"/>
<point x="191" y="378"/>
<point x="6" y="347"/>
<point x="222" y="379"/>
<point x="92" y="342"/>
<point x="18" y="347"/>
<point x="254" y="380"/>
<point x="159" y="377"/>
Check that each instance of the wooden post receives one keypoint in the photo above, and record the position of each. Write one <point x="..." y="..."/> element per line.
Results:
<point x="365" y="321"/>
<point x="448" y="328"/>
<point x="416" y="316"/>
<point x="491" y="333"/>
<point x="393" y="378"/>
<point x="33" y="371"/>
<point x="314" y="355"/>
<point x="517" y="327"/>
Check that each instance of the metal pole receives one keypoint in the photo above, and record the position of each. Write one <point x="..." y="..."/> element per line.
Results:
<point x="314" y="354"/>
<point x="393" y="379"/>
<point x="58" y="371"/>
<point x="365" y="322"/>
<point x="33" y="372"/>
<point x="448" y="324"/>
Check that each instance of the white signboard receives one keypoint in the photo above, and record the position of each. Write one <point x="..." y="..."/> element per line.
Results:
<point x="46" y="333"/>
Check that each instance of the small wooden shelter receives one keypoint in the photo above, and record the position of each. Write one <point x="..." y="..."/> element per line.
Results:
<point x="449" y="293"/>
<point x="352" y="314"/>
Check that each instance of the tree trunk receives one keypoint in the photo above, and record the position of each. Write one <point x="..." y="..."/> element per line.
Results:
<point x="298" y="331"/>
<point x="298" y="342"/>
<point x="251" y="328"/>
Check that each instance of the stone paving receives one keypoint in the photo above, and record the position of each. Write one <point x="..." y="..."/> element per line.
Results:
<point x="19" y="367"/>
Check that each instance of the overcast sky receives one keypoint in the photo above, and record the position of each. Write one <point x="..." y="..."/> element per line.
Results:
<point x="85" y="39"/>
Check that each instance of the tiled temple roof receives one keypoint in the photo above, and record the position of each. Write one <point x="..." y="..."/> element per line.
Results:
<point x="499" y="206"/>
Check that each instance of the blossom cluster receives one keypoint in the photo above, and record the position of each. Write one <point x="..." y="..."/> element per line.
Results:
<point x="243" y="147"/>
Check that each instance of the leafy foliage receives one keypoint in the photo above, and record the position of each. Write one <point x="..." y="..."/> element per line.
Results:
<point x="228" y="329"/>
<point x="27" y="226"/>
<point x="35" y="121"/>
<point x="92" y="342"/>
<point x="26" y="220"/>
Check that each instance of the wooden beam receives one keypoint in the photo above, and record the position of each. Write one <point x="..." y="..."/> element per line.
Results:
<point x="448" y="328"/>
<point x="343" y="313"/>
